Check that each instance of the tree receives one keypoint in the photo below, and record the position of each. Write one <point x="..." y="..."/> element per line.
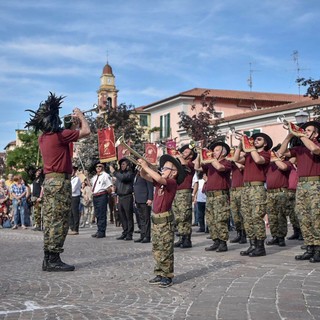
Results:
<point x="313" y="91"/>
<point x="26" y="158"/>
<point x="201" y="125"/>
<point x="123" y="119"/>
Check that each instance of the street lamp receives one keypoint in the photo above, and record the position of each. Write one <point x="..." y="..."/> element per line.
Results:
<point x="301" y="117"/>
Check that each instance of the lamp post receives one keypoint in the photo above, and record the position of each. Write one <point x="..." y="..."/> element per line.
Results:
<point x="301" y="117"/>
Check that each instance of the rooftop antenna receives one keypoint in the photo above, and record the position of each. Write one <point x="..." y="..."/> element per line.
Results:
<point x="295" y="57"/>
<point x="250" y="79"/>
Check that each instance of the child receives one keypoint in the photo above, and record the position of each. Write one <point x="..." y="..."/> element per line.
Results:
<point x="172" y="174"/>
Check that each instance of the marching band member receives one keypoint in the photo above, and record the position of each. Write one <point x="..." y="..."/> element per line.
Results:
<point x="182" y="203"/>
<point x="277" y="180"/>
<point x="217" y="192"/>
<point x="54" y="143"/>
<point x="256" y="160"/>
<point x="307" y="194"/>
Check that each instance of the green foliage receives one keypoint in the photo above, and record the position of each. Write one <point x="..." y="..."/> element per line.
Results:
<point x="313" y="91"/>
<point x="25" y="158"/>
<point x="201" y="125"/>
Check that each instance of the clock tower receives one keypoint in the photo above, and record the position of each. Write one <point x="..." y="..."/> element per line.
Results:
<point x="107" y="92"/>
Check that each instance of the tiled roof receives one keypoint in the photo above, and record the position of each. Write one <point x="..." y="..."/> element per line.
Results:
<point x="284" y="107"/>
<point x="248" y="95"/>
<point x="234" y="94"/>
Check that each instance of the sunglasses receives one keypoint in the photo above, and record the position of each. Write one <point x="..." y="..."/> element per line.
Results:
<point x="259" y="139"/>
<point x="167" y="168"/>
<point x="99" y="166"/>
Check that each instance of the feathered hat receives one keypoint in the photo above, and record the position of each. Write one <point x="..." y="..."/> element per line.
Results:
<point x="46" y="118"/>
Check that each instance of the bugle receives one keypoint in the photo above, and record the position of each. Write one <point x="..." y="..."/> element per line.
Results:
<point x="134" y="155"/>
<point x="68" y="119"/>
<point x="283" y="121"/>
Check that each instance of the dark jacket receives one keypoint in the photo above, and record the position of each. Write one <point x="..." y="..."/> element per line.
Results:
<point x="143" y="189"/>
<point x="124" y="182"/>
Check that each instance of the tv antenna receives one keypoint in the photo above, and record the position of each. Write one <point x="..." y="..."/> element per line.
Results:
<point x="250" y="79"/>
<point x="295" y="57"/>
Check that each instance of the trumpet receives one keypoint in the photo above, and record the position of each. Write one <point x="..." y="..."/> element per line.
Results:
<point x="283" y="121"/>
<point x="134" y="154"/>
<point x="238" y="135"/>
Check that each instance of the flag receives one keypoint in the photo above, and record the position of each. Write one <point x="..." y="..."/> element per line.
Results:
<point x="106" y="145"/>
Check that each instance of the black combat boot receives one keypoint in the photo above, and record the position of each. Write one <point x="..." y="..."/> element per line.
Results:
<point x="214" y="247"/>
<point x="281" y="242"/>
<point x="273" y="241"/>
<point x="222" y="246"/>
<point x="295" y="235"/>
<point x="250" y="249"/>
<point x="243" y="237"/>
<point x="186" y="242"/>
<point x="179" y="242"/>
<point x="316" y="256"/>
<point x="45" y="260"/>
<point x="306" y="255"/>
<point x="259" y="251"/>
<point x="55" y="264"/>
<point x="237" y="238"/>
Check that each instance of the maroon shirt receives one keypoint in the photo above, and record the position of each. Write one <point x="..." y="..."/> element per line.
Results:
<point x="293" y="179"/>
<point x="217" y="180"/>
<point x="55" y="150"/>
<point x="164" y="195"/>
<point x="277" y="178"/>
<point x="308" y="164"/>
<point x="237" y="176"/>
<point x="187" y="182"/>
<point x="253" y="171"/>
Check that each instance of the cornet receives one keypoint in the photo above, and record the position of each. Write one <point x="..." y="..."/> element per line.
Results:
<point x="134" y="154"/>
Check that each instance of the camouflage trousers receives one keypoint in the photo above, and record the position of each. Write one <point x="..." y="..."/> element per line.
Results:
<point x="253" y="206"/>
<point x="235" y="207"/>
<point x="37" y="214"/>
<point x="217" y="215"/>
<point x="290" y="209"/>
<point x="182" y="210"/>
<point x="308" y="211"/>
<point x="56" y="209"/>
<point x="277" y="213"/>
<point x="162" y="235"/>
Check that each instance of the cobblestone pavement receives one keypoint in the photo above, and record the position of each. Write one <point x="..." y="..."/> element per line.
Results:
<point x="111" y="281"/>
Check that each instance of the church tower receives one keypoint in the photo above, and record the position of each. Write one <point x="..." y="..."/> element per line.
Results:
<point x="107" y="92"/>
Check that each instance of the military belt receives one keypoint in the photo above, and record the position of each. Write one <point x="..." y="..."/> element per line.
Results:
<point x="164" y="217"/>
<point x="64" y="175"/>
<point x="184" y="191"/>
<point x="253" y="183"/>
<point x="277" y="190"/>
<point x="217" y="193"/>
<point x="314" y="178"/>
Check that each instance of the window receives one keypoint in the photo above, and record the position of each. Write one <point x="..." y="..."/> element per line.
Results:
<point x="249" y="133"/>
<point x="165" y="126"/>
<point x="143" y="120"/>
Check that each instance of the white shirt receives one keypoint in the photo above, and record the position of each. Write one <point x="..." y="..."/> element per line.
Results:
<point x="201" y="196"/>
<point x="76" y="186"/>
<point x="102" y="184"/>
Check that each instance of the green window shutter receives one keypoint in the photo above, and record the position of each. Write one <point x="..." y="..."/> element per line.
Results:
<point x="161" y="127"/>
<point x="168" y="125"/>
<point x="256" y="131"/>
<point x="247" y="133"/>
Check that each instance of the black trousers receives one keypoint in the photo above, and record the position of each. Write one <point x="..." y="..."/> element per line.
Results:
<point x="74" y="218"/>
<point x="126" y="214"/>
<point x="144" y="212"/>
<point x="100" y="205"/>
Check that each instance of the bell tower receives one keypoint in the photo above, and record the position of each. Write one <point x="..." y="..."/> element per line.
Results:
<point x="107" y="93"/>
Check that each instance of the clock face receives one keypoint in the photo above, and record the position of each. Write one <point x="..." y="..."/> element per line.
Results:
<point x="108" y="80"/>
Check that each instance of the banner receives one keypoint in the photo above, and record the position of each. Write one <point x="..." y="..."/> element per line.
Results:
<point x="122" y="151"/>
<point x="151" y="152"/>
<point x="106" y="145"/>
<point x="171" y="147"/>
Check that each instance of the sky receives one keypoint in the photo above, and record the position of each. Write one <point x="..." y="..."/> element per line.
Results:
<point x="156" y="48"/>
